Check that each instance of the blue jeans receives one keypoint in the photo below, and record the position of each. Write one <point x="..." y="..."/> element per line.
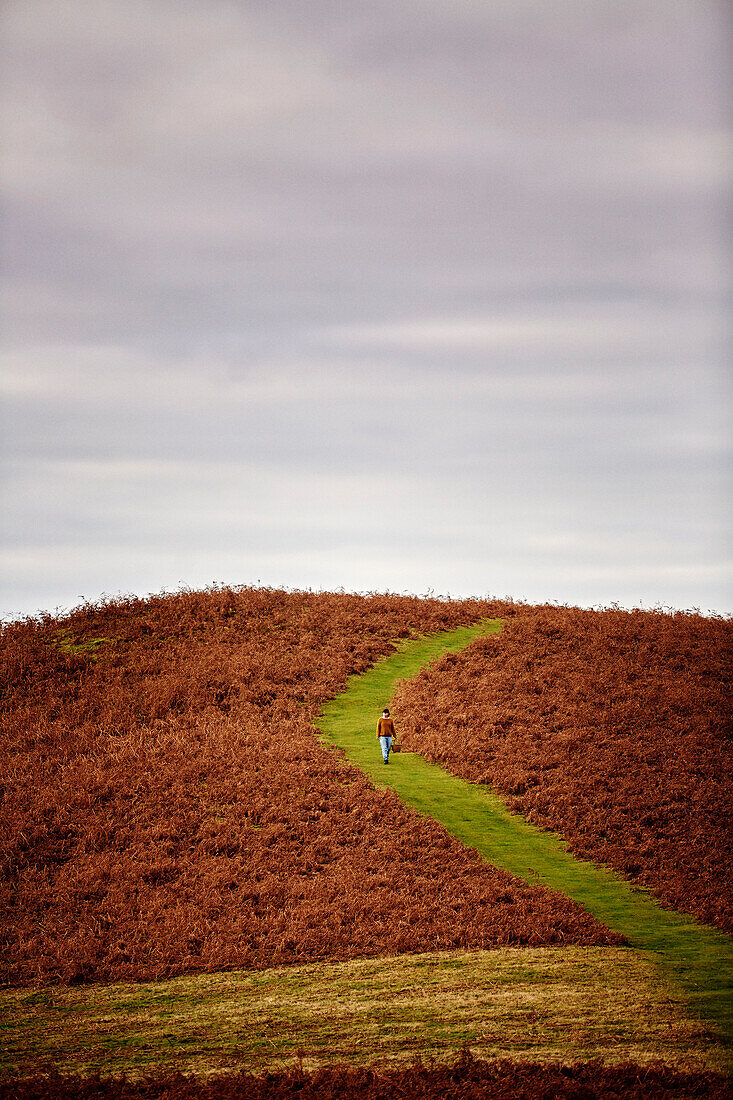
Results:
<point x="386" y="743"/>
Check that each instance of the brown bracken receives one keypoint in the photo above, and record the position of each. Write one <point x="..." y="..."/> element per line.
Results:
<point x="168" y="808"/>
<point x="611" y="727"/>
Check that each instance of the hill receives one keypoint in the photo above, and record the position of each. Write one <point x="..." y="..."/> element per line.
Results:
<point x="168" y="811"/>
<point x="167" y="807"/>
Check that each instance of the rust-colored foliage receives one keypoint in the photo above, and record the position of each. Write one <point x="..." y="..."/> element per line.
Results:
<point x="168" y="808"/>
<point x="611" y="727"/>
<point x="468" y="1078"/>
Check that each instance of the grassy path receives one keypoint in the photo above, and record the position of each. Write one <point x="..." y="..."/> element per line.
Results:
<point x="696" y="958"/>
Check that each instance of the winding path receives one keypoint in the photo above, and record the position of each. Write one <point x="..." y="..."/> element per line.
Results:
<point x="697" y="958"/>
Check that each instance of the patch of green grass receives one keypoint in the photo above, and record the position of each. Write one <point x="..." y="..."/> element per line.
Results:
<point x="699" y="958"/>
<point x="65" y="642"/>
<point x="540" y="1003"/>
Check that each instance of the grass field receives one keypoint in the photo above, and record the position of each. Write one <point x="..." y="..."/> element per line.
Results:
<point x="543" y="1004"/>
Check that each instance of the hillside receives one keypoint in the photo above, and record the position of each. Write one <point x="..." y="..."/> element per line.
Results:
<point x="610" y="727"/>
<point x="167" y="807"/>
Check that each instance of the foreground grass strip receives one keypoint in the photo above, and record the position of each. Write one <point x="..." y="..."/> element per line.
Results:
<point x="539" y="1004"/>
<point x="699" y="958"/>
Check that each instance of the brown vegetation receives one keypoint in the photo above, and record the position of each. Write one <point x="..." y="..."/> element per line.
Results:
<point x="166" y="806"/>
<point x="612" y="728"/>
<point x="467" y="1079"/>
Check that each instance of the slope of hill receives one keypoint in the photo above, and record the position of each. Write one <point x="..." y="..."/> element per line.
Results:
<point x="612" y="728"/>
<point x="167" y="807"/>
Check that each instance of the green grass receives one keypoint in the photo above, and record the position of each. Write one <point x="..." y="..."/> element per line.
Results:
<point x="64" y="641"/>
<point x="698" y="958"/>
<point x="544" y="1004"/>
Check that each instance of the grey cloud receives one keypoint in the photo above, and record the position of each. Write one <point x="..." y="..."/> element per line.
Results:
<point x="420" y="241"/>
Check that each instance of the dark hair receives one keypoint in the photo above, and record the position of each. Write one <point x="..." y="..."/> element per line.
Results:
<point x="386" y="710"/>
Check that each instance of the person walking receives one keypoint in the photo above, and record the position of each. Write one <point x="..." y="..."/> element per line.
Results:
<point x="385" y="734"/>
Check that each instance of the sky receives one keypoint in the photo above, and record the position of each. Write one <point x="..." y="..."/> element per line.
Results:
<point x="407" y="295"/>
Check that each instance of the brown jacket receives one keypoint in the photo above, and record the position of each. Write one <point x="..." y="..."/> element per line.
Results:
<point x="385" y="727"/>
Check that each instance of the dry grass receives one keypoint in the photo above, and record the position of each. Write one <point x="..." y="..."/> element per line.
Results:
<point x="536" y="1004"/>
<point x="167" y="807"/>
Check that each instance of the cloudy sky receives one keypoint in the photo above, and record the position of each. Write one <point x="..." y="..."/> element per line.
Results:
<point x="400" y="294"/>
